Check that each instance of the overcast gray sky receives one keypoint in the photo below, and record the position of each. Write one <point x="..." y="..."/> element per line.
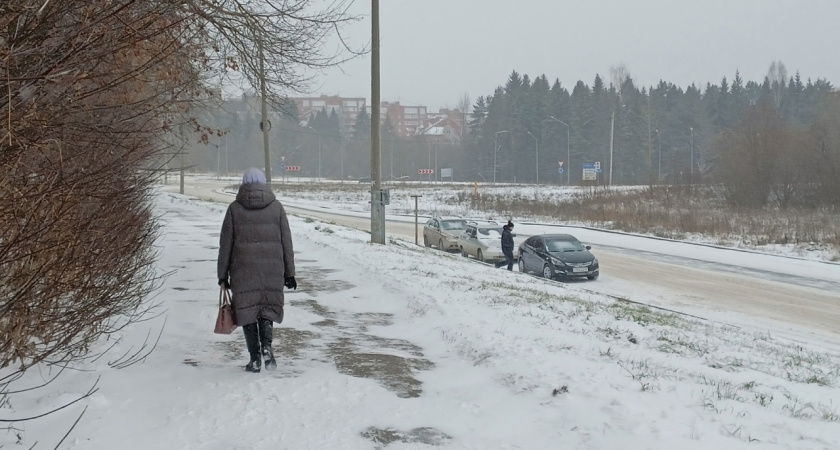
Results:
<point x="433" y="51"/>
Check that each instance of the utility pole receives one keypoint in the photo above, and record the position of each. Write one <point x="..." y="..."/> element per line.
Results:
<point x="612" y="138"/>
<point x="416" y="220"/>
<point x="691" y="169"/>
<point x="537" y="163"/>
<point x="437" y="177"/>
<point x="568" y="151"/>
<point x="659" y="171"/>
<point x="265" y="125"/>
<point x="377" y="207"/>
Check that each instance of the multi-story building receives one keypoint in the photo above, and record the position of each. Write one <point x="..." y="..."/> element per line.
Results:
<point x="347" y="108"/>
<point x="405" y="119"/>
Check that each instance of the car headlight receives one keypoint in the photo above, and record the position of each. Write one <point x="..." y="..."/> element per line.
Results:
<point x="595" y="262"/>
<point x="558" y="262"/>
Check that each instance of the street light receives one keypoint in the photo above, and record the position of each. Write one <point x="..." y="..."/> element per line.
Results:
<point x="568" y="151"/>
<point x="437" y="178"/>
<point x="659" y="171"/>
<point x="537" y="154"/>
<point x="691" y="169"/>
<point x="495" y="150"/>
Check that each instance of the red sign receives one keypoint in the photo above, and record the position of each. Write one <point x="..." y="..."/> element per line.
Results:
<point x="292" y="168"/>
<point x="426" y="171"/>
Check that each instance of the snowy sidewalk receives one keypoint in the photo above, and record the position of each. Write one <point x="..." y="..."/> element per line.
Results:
<point x="402" y="347"/>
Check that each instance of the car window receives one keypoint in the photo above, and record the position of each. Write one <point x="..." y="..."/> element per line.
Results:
<point x="469" y="232"/>
<point x="453" y="224"/>
<point x="531" y="241"/>
<point x="429" y="222"/>
<point x="490" y="233"/>
<point x="563" y="245"/>
<point x="435" y="224"/>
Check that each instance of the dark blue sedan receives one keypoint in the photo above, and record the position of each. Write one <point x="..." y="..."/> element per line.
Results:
<point x="556" y="256"/>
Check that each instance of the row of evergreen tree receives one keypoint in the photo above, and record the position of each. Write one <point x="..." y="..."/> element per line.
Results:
<point x="527" y="129"/>
<point x="663" y="133"/>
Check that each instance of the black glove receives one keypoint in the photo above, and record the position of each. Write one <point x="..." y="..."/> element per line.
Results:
<point x="291" y="283"/>
<point x="223" y="282"/>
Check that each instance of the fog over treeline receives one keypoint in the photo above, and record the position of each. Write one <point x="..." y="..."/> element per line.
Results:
<point x="759" y="138"/>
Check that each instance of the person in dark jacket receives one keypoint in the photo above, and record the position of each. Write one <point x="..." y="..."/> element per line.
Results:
<point x="256" y="260"/>
<point x="507" y="246"/>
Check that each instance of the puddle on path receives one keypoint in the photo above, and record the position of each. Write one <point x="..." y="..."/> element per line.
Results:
<point x="423" y="435"/>
<point x="316" y="281"/>
<point x="313" y="306"/>
<point x="289" y="342"/>
<point x="358" y="354"/>
<point x="394" y="372"/>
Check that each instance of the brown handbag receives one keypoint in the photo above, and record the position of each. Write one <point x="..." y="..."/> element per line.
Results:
<point x="225" y="323"/>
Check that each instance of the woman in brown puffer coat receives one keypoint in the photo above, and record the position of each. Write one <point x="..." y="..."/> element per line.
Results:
<point x="256" y="260"/>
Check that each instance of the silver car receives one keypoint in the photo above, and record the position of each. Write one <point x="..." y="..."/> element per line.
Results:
<point x="443" y="232"/>
<point x="483" y="241"/>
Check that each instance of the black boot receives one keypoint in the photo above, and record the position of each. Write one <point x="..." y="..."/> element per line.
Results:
<point x="266" y="335"/>
<point x="252" y="341"/>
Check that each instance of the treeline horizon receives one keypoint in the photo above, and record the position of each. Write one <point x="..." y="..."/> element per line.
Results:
<point x="525" y="129"/>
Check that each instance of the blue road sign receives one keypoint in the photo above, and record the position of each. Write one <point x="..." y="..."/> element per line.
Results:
<point x="559" y="170"/>
<point x="593" y="166"/>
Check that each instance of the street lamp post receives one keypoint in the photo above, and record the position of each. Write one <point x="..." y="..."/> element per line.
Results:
<point x="495" y="150"/>
<point x="537" y="154"/>
<point x="691" y="168"/>
<point x="568" y="151"/>
<point x="612" y="141"/>
<point x="659" y="170"/>
<point x="437" y="177"/>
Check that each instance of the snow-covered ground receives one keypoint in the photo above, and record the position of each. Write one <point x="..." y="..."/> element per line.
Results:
<point x="455" y="199"/>
<point x="404" y="347"/>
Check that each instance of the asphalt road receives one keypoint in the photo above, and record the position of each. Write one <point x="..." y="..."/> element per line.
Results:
<point x="676" y="283"/>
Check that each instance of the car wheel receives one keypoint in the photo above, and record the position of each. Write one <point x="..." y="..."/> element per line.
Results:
<point x="522" y="265"/>
<point x="463" y="253"/>
<point x="547" y="272"/>
<point x="426" y="241"/>
<point x="592" y="277"/>
<point x="440" y="244"/>
<point x="480" y="256"/>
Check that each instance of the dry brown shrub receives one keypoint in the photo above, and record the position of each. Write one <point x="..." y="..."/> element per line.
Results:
<point x="90" y="93"/>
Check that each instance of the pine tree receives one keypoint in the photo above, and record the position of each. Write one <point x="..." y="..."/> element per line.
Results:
<point x="361" y="129"/>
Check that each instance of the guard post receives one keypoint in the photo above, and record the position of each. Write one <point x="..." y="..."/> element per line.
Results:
<point x="416" y="221"/>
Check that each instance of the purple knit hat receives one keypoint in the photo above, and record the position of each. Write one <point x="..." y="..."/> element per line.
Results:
<point x="253" y="175"/>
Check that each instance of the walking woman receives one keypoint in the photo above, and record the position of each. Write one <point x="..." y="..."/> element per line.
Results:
<point x="256" y="259"/>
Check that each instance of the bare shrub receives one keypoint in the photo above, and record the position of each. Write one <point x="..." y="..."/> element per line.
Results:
<point x="823" y="153"/>
<point x="91" y="92"/>
<point x="760" y="160"/>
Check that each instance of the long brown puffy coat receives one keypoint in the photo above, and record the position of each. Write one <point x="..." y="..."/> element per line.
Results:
<point x="256" y="254"/>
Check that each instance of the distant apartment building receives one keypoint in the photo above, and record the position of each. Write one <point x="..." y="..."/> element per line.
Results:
<point x="407" y="120"/>
<point x="347" y="108"/>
